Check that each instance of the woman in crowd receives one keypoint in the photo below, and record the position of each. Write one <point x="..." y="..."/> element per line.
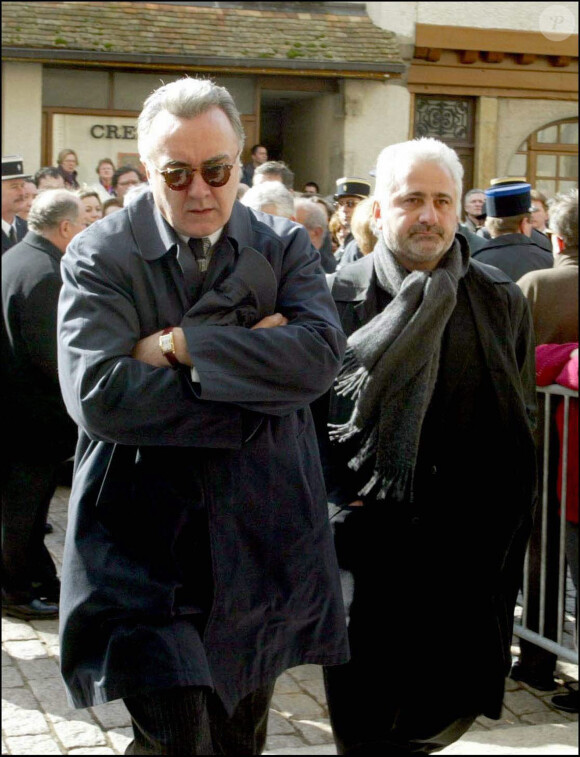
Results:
<point x="91" y="206"/>
<point x="67" y="163"/>
<point x="105" y="171"/>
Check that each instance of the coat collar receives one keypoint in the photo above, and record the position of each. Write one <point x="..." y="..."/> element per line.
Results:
<point x="155" y="237"/>
<point x="508" y="240"/>
<point x="43" y="244"/>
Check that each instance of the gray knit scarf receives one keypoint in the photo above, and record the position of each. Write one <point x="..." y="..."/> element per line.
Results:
<point x="390" y="369"/>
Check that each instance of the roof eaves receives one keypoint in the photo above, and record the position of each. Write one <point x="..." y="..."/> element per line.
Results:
<point x="244" y="65"/>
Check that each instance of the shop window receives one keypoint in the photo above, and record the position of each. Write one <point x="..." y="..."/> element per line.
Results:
<point x="548" y="158"/>
<point x="68" y="88"/>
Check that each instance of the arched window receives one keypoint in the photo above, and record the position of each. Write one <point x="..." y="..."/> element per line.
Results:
<point x="548" y="158"/>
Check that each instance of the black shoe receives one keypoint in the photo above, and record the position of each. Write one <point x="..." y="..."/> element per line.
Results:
<point x="566" y="702"/>
<point x="47" y="592"/>
<point x="35" y="610"/>
<point x="541" y="682"/>
<point x="48" y="528"/>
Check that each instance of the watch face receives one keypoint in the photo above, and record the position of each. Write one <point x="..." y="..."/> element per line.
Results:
<point x="166" y="342"/>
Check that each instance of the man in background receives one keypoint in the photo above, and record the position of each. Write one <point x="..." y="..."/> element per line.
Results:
<point x="13" y="201"/>
<point x="552" y="294"/>
<point x="270" y="197"/>
<point x="30" y="192"/>
<point x="474" y="209"/>
<point x="48" y="178"/>
<point x="311" y="188"/>
<point x="274" y="170"/>
<point x="349" y="192"/>
<point x="124" y="178"/>
<point x="42" y="435"/>
<point x="259" y="155"/>
<point x="508" y="221"/>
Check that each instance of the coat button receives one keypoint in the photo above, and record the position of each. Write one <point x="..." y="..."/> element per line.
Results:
<point x="415" y="520"/>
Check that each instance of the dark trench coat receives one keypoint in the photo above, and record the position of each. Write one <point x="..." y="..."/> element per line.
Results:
<point x="436" y="578"/>
<point x="159" y="455"/>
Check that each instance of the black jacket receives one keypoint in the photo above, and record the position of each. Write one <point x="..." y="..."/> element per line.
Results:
<point x="444" y="569"/>
<point x="514" y="254"/>
<point x="40" y="427"/>
<point x="21" y="228"/>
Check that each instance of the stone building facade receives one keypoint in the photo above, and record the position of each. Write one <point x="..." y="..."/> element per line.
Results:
<point x="325" y="85"/>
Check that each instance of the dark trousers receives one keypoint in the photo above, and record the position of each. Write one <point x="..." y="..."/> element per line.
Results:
<point x="192" y="720"/>
<point x="27" y="490"/>
<point x="370" y="717"/>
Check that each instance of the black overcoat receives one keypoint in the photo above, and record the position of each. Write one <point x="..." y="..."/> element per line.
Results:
<point x="514" y="254"/>
<point x="40" y="428"/>
<point x="157" y="449"/>
<point x="436" y="577"/>
<point x="21" y="229"/>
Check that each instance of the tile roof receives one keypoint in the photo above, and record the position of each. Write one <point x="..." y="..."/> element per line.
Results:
<point x="195" y="32"/>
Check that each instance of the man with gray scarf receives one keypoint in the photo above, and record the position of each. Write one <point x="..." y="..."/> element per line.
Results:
<point x="430" y="467"/>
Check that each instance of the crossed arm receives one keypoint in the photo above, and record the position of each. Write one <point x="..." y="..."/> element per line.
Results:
<point x="147" y="350"/>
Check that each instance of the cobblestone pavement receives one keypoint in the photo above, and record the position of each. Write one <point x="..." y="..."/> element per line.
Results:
<point x="36" y="718"/>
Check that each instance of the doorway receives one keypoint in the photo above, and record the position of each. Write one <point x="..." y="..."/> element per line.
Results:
<point x="299" y="127"/>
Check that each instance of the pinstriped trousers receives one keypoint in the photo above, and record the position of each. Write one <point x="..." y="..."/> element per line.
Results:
<point x="191" y="720"/>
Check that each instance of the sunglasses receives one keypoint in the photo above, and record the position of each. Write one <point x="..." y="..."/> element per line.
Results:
<point x="179" y="179"/>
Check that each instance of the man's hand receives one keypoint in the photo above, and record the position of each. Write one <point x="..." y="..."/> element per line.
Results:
<point x="271" y="321"/>
<point x="148" y="350"/>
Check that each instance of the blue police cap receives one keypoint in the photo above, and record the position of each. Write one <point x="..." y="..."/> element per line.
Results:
<point x="504" y="200"/>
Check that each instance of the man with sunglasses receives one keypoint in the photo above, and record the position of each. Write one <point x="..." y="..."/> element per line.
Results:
<point x="194" y="334"/>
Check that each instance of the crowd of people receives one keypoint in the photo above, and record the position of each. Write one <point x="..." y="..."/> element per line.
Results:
<point x="296" y="418"/>
<point x="100" y="199"/>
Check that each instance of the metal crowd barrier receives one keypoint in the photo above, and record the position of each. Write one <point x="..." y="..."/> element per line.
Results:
<point x="520" y="628"/>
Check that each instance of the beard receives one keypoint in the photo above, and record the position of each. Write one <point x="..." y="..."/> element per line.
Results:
<point x="420" y="243"/>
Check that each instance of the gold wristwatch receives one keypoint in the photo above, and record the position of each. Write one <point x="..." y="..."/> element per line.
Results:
<point x="167" y="347"/>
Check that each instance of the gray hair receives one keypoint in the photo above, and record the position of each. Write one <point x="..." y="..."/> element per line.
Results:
<point x="276" y="167"/>
<point x="564" y="217"/>
<point x="51" y="207"/>
<point x="474" y="191"/>
<point x="270" y="193"/>
<point x="186" y="98"/>
<point x="314" y="213"/>
<point x="395" y="162"/>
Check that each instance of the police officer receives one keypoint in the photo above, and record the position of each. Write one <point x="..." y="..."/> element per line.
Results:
<point x="510" y="248"/>
<point x="349" y="192"/>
